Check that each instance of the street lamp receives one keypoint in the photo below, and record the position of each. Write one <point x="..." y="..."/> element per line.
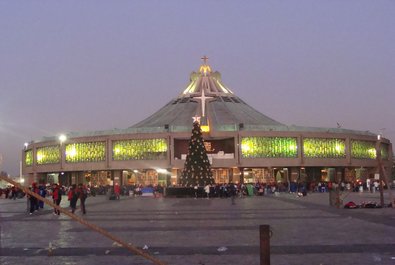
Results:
<point x="62" y="139"/>
<point x="381" y="171"/>
<point x="21" y="179"/>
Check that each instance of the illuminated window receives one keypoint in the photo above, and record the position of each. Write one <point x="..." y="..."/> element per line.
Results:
<point x="139" y="149"/>
<point x="205" y="128"/>
<point x="29" y="157"/>
<point x="324" y="148"/>
<point x="48" y="155"/>
<point x="86" y="152"/>
<point x="363" y="149"/>
<point x="266" y="147"/>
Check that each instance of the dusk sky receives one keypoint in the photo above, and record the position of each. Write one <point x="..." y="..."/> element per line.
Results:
<point x="69" y="66"/>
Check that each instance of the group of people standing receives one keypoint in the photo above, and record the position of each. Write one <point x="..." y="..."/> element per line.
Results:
<point x="74" y="194"/>
<point x="11" y="192"/>
<point x="34" y="203"/>
<point x="77" y="193"/>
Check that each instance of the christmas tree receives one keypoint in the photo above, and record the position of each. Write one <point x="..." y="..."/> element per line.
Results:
<point x="197" y="169"/>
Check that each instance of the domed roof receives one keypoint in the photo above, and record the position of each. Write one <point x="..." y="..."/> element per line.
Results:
<point x="208" y="97"/>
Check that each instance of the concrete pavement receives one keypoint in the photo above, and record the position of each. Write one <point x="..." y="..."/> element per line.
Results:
<point x="200" y="231"/>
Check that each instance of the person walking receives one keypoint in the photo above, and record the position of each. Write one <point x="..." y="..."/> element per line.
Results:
<point x="73" y="197"/>
<point x="42" y="192"/>
<point x="56" y="197"/>
<point x="82" y="194"/>
<point x="13" y="192"/>
<point x="117" y="191"/>
<point x="207" y="190"/>
<point x="33" y="200"/>
<point x="195" y="188"/>
<point x="232" y="191"/>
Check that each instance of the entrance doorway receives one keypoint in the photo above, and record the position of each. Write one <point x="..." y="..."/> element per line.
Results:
<point x="221" y="175"/>
<point x="98" y="178"/>
<point x="261" y="175"/>
<point x="149" y="177"/>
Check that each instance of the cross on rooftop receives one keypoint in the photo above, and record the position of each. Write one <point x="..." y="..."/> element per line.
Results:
<point x="203" y="99"/>
<point x="204" y="58"/>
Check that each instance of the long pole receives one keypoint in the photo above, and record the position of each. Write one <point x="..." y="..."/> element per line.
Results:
<point x="379" y="166"/>
<point x="382" y="175"/>
<point x="391" y="197"/>
<point x="96" y="228"/>
<point x="379" y="162"/>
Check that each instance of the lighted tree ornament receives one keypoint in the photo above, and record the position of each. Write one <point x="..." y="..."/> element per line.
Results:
<point x="197" y="168"/>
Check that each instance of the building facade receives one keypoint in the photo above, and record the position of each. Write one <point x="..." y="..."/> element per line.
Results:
<point x="243" y="145"/>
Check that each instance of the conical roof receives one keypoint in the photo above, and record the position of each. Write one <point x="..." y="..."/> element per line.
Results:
<point x="208" y="97"/>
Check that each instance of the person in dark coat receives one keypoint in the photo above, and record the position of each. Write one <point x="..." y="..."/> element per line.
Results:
<point x="82" y="195"/>
<point x="13" y="192"/>
<point x="73" y="197"/>
<point x="232" y="192"/>
<point x="42" y="192"/>
<point x="33" y="200"/>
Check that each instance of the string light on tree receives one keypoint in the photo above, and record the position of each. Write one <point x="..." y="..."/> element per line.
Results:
<point x="197" y="168"/>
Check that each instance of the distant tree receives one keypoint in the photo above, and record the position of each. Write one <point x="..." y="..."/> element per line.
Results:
<point x="197" y="168"/>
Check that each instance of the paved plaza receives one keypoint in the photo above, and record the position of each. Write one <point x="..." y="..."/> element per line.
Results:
<point x="183" y="231"/>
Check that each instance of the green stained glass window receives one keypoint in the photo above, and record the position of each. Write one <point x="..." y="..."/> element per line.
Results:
<point x="29" y="157"/>
<point x="86" y="152"/>
<point x="139" y="149"/>
<point x="363" y="149"/>
<point x="48" y="155"/>
<point x="324" y="148"/>
<point x="267" y="147"/>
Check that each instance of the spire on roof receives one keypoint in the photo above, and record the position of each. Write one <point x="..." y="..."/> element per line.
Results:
<point x="205" y="68"/>
<point x="204" y="58"/>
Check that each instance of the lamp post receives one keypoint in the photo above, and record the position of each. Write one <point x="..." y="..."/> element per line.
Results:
<point x="23" y="161"/>
<point x="379" y="164"/>
<point x="62" y="139"/>
<point x="21" y="179"/>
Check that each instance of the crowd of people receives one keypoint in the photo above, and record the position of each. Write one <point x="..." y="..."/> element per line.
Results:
<point x="80" y="192"/>
<point x="114" y="192"/>
<point x="225" y="190"/>
<point x="56" y="192"/>
<point x="11" y="192"/>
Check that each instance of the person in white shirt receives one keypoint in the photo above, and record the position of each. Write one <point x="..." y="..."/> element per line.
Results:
<point x="207" y="190"/>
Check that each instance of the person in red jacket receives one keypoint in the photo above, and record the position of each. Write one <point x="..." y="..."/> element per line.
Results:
<point x="57" y="197"/>
<point x="117" y="191"/>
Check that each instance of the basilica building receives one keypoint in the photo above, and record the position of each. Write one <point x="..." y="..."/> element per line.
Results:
<point x="243" y="145"/>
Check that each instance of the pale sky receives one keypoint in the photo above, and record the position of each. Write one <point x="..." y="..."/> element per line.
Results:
<point x="97" y="65"/>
